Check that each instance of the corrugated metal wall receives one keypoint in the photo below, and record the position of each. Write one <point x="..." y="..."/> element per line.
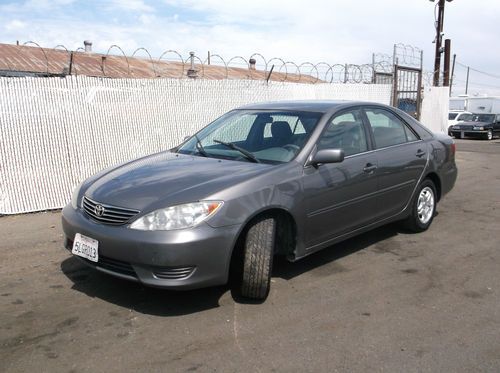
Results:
<point x="55" y="132"/>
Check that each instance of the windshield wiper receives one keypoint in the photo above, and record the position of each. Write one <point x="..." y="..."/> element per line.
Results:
<point x="200" y="147"/>
<point x="246" y="153"/>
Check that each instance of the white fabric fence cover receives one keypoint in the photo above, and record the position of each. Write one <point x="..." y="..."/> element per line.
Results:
<point x="55" y="132"/>
<point x="435" y="105"/>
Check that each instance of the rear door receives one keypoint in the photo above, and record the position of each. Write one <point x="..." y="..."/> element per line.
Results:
<point x="401" y="157"/>
<point x="340" y="197"/>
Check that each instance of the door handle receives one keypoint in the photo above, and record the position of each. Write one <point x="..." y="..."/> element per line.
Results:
<point x="369" y="168"/>
<point x="420" y="153"/>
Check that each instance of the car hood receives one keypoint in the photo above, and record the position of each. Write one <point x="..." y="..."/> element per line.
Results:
<point x="167" y="179"/>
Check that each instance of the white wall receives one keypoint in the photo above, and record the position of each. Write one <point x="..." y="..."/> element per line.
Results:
<point x="55" y="132"/>
<point x="435" y="107"/>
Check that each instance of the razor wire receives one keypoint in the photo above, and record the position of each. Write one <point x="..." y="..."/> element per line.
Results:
<point x="180" y="57"/>
<point x="407" y="55"/>
<point x="150" y="58"/>
<point x="173" y="64"/>
<point x="104" y="59"/>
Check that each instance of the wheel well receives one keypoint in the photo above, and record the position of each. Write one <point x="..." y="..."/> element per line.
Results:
<point x="437" y="182"/>
<point x="286" y="231"/>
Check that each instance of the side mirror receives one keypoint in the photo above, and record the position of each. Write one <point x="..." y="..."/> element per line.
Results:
<point x="327" y="156"/>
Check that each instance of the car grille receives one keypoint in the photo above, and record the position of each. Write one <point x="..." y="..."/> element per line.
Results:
<point x="173" y="273"/>
<point x="107" y="214"/>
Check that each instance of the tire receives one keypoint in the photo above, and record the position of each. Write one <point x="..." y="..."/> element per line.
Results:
<point x="258" y="252"/>
<point x="459" y="136"/>
<point x="489" y="135"/>
<point x="423" y="207"/>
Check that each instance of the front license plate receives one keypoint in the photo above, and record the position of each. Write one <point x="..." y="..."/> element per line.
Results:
<point x="86" y="247"/>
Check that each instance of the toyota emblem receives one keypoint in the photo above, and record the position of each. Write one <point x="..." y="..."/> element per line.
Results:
<point x="99" y="210"/>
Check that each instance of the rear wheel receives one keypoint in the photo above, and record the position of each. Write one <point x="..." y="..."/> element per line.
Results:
<point x="423" y="207"/>
<point x="258" y="254"/>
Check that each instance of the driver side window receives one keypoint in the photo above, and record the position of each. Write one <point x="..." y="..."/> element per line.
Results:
<point x="345" y="131"/>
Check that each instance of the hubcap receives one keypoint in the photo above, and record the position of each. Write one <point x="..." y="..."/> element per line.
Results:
<point x="490" y="135"/>
<point x="425" y="206"/>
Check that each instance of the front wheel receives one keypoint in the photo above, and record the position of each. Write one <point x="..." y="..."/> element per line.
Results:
<point x="423" y="207"/>
<point x="258" y="259"/>
<point x="489" y="135"/>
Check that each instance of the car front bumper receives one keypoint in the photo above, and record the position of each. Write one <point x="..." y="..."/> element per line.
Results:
<point x="179" y="259"/>
<point x="469" y="133"/>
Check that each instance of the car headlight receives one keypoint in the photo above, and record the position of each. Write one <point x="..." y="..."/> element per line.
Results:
<point x="74" y="196"/>
<point x="478" y="128"/>
<point x="177" y="217"/>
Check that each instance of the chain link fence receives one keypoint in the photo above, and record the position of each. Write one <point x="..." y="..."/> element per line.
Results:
<point x="57" y="131"/>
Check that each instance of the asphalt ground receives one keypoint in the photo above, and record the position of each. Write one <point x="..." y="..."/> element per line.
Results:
<point x="384" y="301"/>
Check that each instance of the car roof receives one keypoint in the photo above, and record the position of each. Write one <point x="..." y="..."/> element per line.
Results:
<point x="322" y="106"/>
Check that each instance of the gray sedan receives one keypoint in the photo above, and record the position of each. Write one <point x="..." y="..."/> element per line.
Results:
<point x="284" y="178"/>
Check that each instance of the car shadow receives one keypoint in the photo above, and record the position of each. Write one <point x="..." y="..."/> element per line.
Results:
<point x="134" y="296"/>
<point x="288" y="270"/>
<point x="161" y="302"/>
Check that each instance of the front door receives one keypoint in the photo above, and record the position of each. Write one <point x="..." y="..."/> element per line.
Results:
<point x="496" y="125"/>
<point x="342" y="196"/>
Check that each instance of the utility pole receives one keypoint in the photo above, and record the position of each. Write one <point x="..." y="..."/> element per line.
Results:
<point x="467" y="81"/>
<point x="447" y="55"/>
<point x="439" y="35"/>
<point x="452" y="73"/>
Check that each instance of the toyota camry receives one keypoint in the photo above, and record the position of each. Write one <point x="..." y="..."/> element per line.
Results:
<point x="283" y="178"/>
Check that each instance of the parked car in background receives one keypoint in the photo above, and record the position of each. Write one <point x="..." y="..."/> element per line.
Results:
<point x="483" y="126"/>
<point x="454" y="117"/>
<point x="284" y="178"/>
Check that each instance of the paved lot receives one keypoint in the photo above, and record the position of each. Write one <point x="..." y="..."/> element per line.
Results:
<point x="385" y="301"/>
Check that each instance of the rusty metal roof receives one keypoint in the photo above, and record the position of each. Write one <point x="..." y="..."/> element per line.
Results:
<point x="50" y="62"/>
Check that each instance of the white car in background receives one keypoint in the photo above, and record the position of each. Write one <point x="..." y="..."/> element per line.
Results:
<point x="455" y="116"/>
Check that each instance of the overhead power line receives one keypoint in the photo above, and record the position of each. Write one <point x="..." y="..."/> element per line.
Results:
<point x="479" y="71"/>
<point x="478" y="84"/>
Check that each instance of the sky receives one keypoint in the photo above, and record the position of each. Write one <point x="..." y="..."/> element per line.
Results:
<point x="300" y="31"/>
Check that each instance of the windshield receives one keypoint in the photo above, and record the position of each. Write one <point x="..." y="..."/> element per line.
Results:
<point x="254" y="136"/>
<point x="465" y="117"/>
<point x="452" y="116"/>
<point x="484" y="117"/>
